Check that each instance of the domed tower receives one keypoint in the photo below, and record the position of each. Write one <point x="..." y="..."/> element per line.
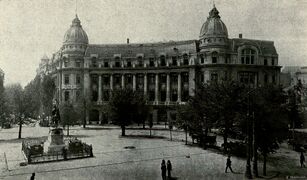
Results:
<point x="75" y="38"/>
<point x="70" y="78"/>
<point x="213" y="39"/>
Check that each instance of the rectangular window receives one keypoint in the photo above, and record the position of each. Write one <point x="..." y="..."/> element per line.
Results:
<point x="273" y="79"/>
<point x="247" y="60"/>
<point x="252" y="59"/>
<point x="214" y="77"/>
<point x="94" y="63"/>
<point x="66" y="79"/>
<point x="174" y="61"/>
<point x="202" y="59"/>
<point x="162" y="61"/>
<point x="185" y="59"/>
<point x="78" y="64"/>
<point x="129" y="64"/>
<point x="242" y="60"/>
<point x="117" y="64"/>
<point x="66" y="96"/>
<point x="65" y="63"/>
<point x="151" y="62"/>
<point x="106" y="64"/>
<point x="214" y="60"/>
<point x="78" y="79"/>
<point x="265" y="62"/>
<point x="273" y="61"/>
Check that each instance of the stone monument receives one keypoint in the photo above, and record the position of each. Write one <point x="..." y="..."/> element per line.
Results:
<point x="55" y="142"/>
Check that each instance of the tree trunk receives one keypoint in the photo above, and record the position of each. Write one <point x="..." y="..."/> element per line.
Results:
<point x="170" y="133"/>
<point x="123" y="131"/>
<point x="84" y="121"/>
<point x="264" y="163"/>
<point x="225" y="137"/>
<point x="186" y="136"/>
<point x="20" y="126"/>
<point x="150" y="131"/>
<point x="68" y="130"/>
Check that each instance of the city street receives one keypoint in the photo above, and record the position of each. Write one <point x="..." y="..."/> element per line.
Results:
<point x="139" y="160"/>
<point x="113" y="161"/>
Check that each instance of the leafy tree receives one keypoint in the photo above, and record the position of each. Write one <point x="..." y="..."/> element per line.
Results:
<point x="47" y="93"/>
<point x="267" y="121"/>
<point x="68" y="115"/>
<point x="32" y="97"/>
<point x="124" y="105"/>
<point x="214" y="105"/>
<point x="17" y="104"/>
<point x="3" y="102"/>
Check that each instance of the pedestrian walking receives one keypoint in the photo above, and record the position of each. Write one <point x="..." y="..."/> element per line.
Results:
<point x="228" y="164"/>
<point x="163" y="170"/>
<point x="169" y="169"/>
<point x="302" y="159"/>
<point x="33" y="176"/>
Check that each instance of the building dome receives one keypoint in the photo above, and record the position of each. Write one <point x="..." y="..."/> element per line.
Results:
<point x="75" y="34"/>
<point x="214" y="26"/>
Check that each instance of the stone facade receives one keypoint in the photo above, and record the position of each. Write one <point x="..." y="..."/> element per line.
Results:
<point x="166" y="72"/>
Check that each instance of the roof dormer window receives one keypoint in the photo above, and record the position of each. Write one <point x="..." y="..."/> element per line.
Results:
<point x="248" y="56"/>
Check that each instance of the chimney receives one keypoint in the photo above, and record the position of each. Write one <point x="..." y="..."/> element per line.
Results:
<point x="127" y="40"/>
<point x="240" y="36"/>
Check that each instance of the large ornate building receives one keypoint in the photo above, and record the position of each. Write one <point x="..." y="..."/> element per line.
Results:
<point x="165" y="72"/>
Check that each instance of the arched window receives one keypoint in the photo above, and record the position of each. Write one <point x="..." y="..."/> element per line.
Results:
<point x="185" y="59"/>
<point x="214" y="57"/>
<point x="94" y="62"/>
<point x="117" y="61"/>
<point x="248" y="56"/>
<point x="162" y="60"/>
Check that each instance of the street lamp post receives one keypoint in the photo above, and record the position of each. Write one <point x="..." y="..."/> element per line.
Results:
<point x="248" y="173"/>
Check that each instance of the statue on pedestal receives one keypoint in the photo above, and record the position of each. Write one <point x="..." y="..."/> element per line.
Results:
<point x="55" y="141"/>
<point x="55" y="116"/>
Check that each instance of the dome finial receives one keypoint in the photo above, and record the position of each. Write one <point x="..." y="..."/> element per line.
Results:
<point x="214" y="13"/>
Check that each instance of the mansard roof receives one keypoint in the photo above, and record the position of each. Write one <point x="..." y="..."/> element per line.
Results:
<point x="264" y="47"/>
<point x="170" y="48"/>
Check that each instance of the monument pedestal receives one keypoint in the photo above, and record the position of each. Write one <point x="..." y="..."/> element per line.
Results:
<point x="55" y="142"/>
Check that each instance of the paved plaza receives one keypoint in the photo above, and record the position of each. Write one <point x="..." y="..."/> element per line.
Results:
<point x="113" y="160"/>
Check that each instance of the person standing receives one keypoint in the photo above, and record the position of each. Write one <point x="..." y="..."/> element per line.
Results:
<point x="33" y="176"/>
<point x="163" y="169"/>
<point x="302" y="159"/>
<point x="228" y="164"/>
<point x="169" y="169"/>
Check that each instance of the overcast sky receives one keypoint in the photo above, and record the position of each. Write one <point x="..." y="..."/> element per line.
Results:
<point x="32" y="28"/>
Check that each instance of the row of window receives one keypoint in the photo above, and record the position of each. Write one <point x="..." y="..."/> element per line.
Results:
<point x="140" y="62"/>
<point x="248" y="56"/>
<point x="67" y="79"/>
<point x="243" y="77"/>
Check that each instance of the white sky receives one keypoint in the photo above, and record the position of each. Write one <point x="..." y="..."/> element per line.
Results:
<point x="32" y="28"/>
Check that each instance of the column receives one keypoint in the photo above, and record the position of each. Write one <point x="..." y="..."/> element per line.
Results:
<point x="111" y="82"/>
<point x="100" y="117"/>
<point x="179" y="88"/>
<point x="191" y="83"/>
<point x="134" y="82"/>
<point x="167" y="88"/>
<point x="157" y="89"/>
<point x="99" y="89"/>
<point x="123" y="81"/>
<point x="145" y="84"/>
